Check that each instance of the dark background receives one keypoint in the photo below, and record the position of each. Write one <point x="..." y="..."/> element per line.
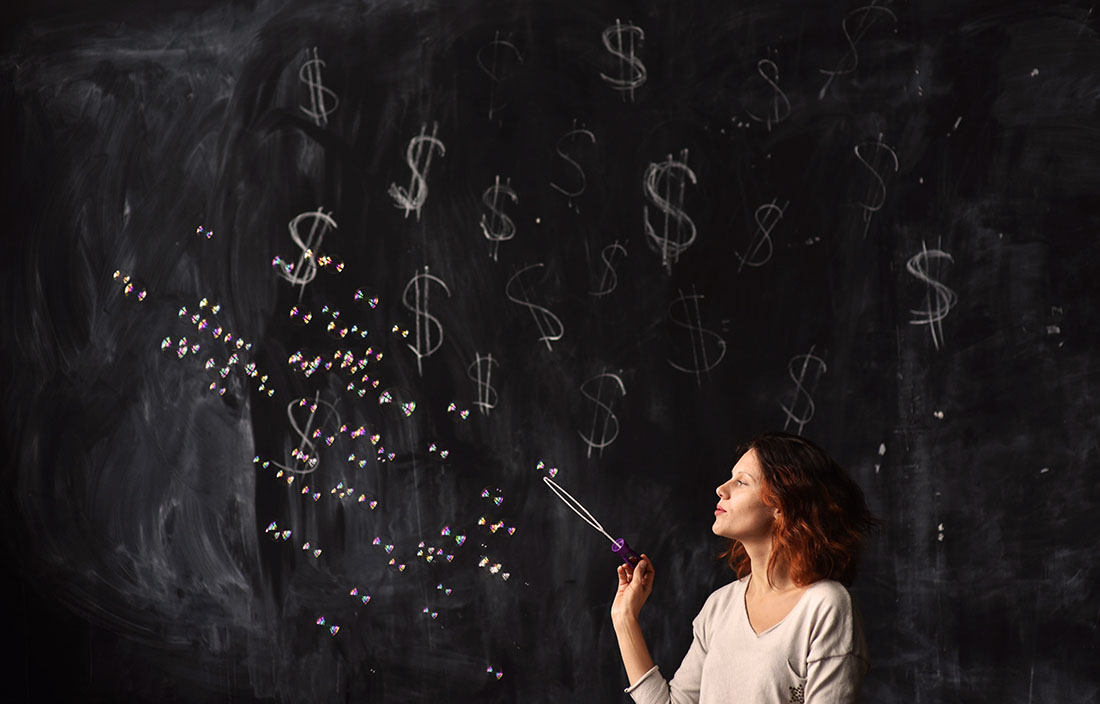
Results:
<point x="138" y="561"/>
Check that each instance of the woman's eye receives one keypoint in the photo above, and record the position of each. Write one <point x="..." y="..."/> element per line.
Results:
<point x="741" y="483"/>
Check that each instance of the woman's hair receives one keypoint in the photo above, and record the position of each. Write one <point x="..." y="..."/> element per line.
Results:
<point x="822" y="512"/>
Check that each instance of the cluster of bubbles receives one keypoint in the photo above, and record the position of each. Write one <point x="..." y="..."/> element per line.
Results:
<point x="430" y="553"/>
<point x="361" y="295"/>
<point x="333" y="629"/>
<point x="204" y="321"/>
<point x="407" y="407"/>
<point x="276" y="534"/>
<point x="553" y="471"/>
<point x="203" y="232"/>
<point x="442" y="453"/>
<point x="446" y="532"/>
<point x="453" y="408"/>
<point x="494" y="567"/>
<point x="496" y="673"/>
<point x="130" y="285"/>
<point x="388" y="548"/>
<point x="325" y="262"/>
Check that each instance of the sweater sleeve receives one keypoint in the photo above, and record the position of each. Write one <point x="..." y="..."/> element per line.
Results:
<point x="837" y="659"/>
<point x="652" y="688"/>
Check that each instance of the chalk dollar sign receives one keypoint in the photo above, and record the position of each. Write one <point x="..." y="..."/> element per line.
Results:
<point x="481" y="373"/>
<point x="632" y="73"/>
<point x="492" y="71"/>
<point x="602" y="415"/>
<point x="673" y="174"/>
<point x="306" y="459"/>
<point x="429" y="332"/>
<point x="781" y="106"/>
<point x="420" y="148"/>
<point x="803" y="416"/>
<point x="498" y="227"/>
<point x="944" y="298"/>
<point x="610" y="280"/>
<point x="305" y="270"/>
<point x="767" y="216"/>
<point x="870" y="13"/>
<point x="323" y="102"/>
<point x="580" y="171"/>
<point x="701" y="338"/>
<point x="878" y="198"/>
<point x="550" y="326"/>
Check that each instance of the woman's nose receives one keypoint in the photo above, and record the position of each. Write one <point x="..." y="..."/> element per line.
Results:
<point x="718" y="490"/>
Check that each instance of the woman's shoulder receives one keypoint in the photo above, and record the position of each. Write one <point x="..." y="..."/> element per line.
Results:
<point x="725" y="594"/>
<point x="829" y="590"/>
<point x="828" y="601"/>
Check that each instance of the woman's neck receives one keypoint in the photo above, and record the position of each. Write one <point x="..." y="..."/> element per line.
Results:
<point x="761" y="583"/>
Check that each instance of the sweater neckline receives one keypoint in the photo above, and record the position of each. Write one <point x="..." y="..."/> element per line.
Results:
<point x="777" y="624"/>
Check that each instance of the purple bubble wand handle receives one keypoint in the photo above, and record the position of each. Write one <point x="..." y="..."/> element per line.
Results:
<point x="618" y="546"/>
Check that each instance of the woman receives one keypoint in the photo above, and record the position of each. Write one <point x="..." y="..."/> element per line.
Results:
<point x="786" y="630"/>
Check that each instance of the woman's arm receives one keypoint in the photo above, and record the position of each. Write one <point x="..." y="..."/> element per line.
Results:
<point x="635" y="586"/>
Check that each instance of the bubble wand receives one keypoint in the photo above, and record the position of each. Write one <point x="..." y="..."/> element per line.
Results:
<point x="618" y="545"/>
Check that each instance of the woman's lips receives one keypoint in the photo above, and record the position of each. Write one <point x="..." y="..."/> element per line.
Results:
<point x="718" y="511"/>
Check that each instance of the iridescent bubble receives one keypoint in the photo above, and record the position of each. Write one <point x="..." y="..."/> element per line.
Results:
<point x="165" y="344"/>
<point x="446" y="530"/>
<point x="300" y="316"/>
<point x="433" y="614"/>
<point x="365" y="297"/>
<point x="464" y="415"/>
<point x="321" y="621"/>
<point x="334" y="630"/>
<point x="460" y="539"/>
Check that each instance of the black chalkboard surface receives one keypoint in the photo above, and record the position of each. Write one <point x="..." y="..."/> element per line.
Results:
<point x="302" y="301"/>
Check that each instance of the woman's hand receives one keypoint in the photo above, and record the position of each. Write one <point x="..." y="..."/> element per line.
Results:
<point x="635" y="585"/>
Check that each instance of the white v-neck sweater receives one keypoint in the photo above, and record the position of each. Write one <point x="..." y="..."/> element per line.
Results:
<point x="815" y="655"/>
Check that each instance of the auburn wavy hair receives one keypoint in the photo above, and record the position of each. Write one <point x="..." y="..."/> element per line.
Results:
<point x="822" y="513"/>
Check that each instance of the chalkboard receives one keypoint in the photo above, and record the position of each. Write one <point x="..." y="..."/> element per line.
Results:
<point x="302" y="301"/>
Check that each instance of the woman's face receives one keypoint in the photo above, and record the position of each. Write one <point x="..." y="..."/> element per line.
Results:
<point x="740" y="513"/>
